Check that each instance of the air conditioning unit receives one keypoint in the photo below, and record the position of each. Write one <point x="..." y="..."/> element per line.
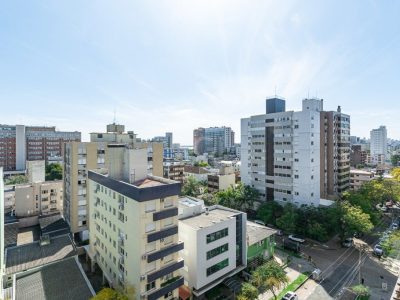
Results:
<point x="142" y="277"/>
<point x="144" y="257"/>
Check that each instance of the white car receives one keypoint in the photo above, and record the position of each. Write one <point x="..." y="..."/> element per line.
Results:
<point x="290" y="296"/>
<point x="378" y="251"/>
<point x="296" y="238"/>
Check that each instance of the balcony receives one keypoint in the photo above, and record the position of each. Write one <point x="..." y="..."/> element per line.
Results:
<point x="165" y="271"/>
<point x="162" y="234"/>
<point x="166" y="213"/>
<point x="165" y="251"/>
<point x="166" y="289"/>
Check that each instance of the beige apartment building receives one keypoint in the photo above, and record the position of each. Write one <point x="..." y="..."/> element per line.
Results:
<point x="220" y="182"/>
<point x="359" y="177"/>
<point x="134" y="226"/>
<point x="40" y="198"/>
<point x="79" y="158"/>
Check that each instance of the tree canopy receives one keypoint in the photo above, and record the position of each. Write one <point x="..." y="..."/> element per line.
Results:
<point x="192" y="187"/>
<point x="54" y="172"/>
<point x="271" y="276"/>
<point x="109" y="294"/>
<point x="248" y="292"/>
<point x="240" y="197"/>
<point x="16" y="179"/>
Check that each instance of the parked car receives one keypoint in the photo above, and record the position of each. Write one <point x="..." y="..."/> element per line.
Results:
<point x="296" y="238"/>
<point x="290" y="245"/>
<point x="395" y="226"/>
<point x="348" y="243"/>
<point x="259" y="222"/>
<point x="378" y="251"/>
<point x="290" y="296"/>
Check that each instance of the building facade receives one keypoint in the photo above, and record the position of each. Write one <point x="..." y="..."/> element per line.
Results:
<point x="215" y="244"/>
<point x="281" y="153"/>
<point x="19" y="143"/>
<point x="79" y="158"/>
<point x="134" y="233"/>
<point x="335" y="153"/>
<point x="174" y="171"/>
<point x="213" y="140"/>
<point x="2" y="266"/>
<point x="378" y="145"/>
<point x="359" y="177"/>
<point x="38" y="198"/>
<point x="296" y="157"/>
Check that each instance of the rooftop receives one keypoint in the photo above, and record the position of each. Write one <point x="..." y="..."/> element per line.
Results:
<point x="25" y="257"/>
<point x="10" y="234"/>
<point x="53" y="225"/>
<point x="46" y="283"/>
<point x="214" y="216"/>
<point x="147" y="183"/>
<point x="256" y="232"/>
<point x="361" y="172"/>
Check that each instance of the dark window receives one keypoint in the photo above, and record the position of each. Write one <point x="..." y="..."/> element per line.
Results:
<point x="217" y="235"/>
<point x="217" y="267"/>
<point x="217" y="251"/>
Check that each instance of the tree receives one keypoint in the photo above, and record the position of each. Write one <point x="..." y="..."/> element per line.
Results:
<point x="268" y="212"/>
<point x="395" y="159"/>
<point x="192" y="187"/>
<point x="270" y="276"/>
<point x="109" y="294"/>
<point x="239" y="197"/>
<point x="288" y="220"/>
<point x="16" y="179"/>
<point x="54" y="172"/>
<point x="354" y="220"/>
<point x="248" y="292"/>
<point x="361" y="291"/>
<point x="396" y="173"/>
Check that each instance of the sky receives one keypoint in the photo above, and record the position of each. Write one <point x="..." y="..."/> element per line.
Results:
<point x="159" y="66"/>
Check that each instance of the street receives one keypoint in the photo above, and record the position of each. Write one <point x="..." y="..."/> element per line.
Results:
<point x="340" y="268"/>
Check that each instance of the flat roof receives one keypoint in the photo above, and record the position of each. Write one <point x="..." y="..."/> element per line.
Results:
<point x="63" y="280"/>
<point x="214" y="216"/>
<point x="360" y="172"/>
<point x="257" y="232"/>
<point x="28" y="256"/>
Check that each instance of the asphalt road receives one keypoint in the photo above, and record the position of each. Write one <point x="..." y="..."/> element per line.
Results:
<point x="340" y="266"/>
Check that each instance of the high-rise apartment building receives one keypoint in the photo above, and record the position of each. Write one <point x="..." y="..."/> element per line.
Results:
<point x="378" y="147"/>
<point x="134" y="226"/>
<point x="293" y="157"/>
<point x="335" y="153"/>
<point x="213" y="140"/>
<point x="19" y="143"/>
<point x="168" y="140"/>
<point x="199" y="145"/>
<point x="79" y="158"/>
<point x="82" y="157"/>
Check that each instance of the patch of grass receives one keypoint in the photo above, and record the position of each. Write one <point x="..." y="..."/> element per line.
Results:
<point x="293" y="285"/>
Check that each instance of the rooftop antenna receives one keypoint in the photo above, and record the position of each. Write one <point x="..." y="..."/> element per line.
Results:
<point x="115" y="113"/>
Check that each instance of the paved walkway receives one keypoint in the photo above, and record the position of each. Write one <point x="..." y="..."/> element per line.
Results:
<point x="296" y="267"/>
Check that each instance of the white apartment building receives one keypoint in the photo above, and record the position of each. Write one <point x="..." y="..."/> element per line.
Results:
<point x="378" y="145"/>
<point x="215" y="243"/>
<point x="359" y="177"/>
<point x="134" y="227"/>
<point x="281" y="152"/>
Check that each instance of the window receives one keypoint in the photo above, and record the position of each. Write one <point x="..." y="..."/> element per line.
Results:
<point x="217" y="235"/>
<point x="168" y="222"/>
<point x="150" y="206"/>
<point x="217" y="251"/>
<point x="150" y="247"/>
<point x="296" y="176"/>
<point x="150" y="227"/>
<point x="150" y="286"/>
<point x="217" y="267"/>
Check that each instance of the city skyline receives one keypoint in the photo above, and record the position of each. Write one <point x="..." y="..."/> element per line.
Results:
<point x="195" y="64"/>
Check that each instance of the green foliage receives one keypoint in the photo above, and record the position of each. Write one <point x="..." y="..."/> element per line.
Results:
<point x="54" y="172"/>
<point x="193" y="187"/>
<point x="395" y="159"/>
<point x="289" y="218"/>
<point x="16" y="179"/>
<point x="294" y="285"/>
<point x="396" y="173"/>
<point x="269" y="212"/>
<point x="354" y="220"/>
<point x="201" y="164"/>
<point x="361" y="291"/>
<point x="248" y="292"/>
<point x="109" y="294"/>
<point x="240" y="197"/>
<point x="391" y="247"/>
<point x="270" y="276"/>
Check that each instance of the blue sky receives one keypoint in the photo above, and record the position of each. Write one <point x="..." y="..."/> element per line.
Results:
<point x="177" y="65"/>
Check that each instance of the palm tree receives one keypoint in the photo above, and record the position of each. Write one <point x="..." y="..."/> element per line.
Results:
<point x="270" y="276"/>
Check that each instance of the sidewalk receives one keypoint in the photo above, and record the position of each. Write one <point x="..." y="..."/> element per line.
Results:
<point x="296" y="267"/>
